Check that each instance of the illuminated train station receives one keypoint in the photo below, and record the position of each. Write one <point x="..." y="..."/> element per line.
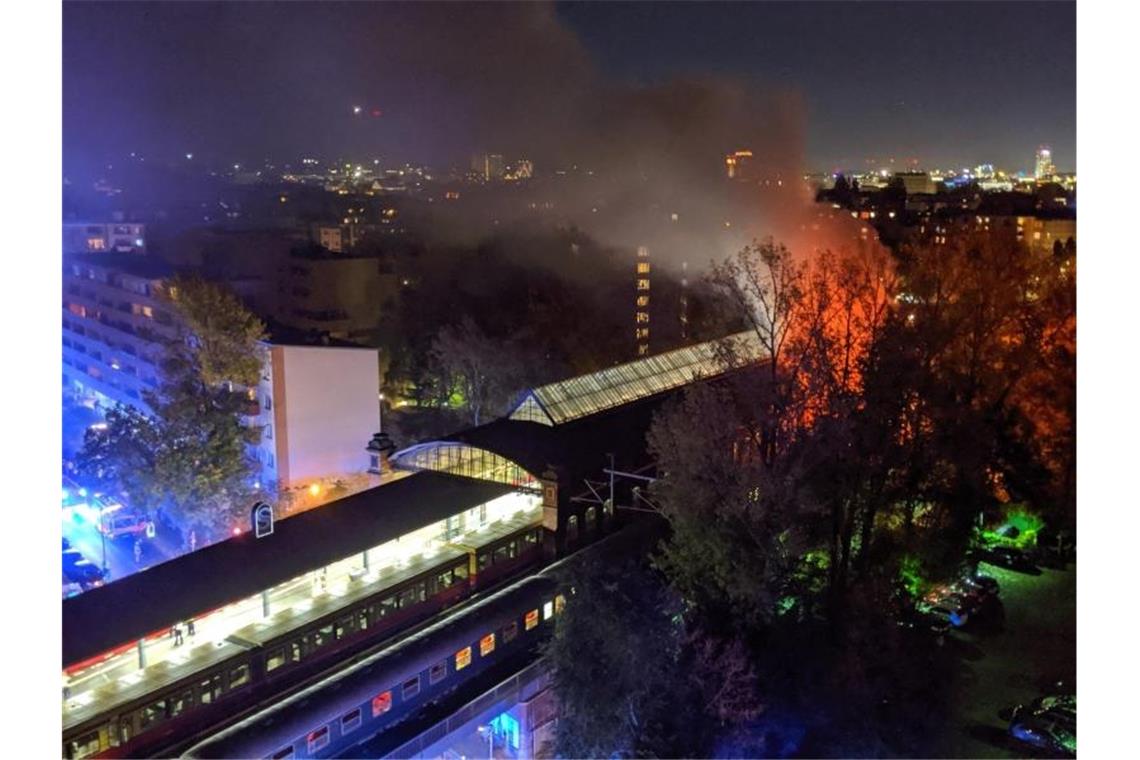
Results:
<point x="196" y="639"/>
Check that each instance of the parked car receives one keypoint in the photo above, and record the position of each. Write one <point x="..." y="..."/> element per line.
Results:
<point x="949" y="607"/>
<point x="982" y="584"/>
<point x="969" y="597"/>
<point x="85" y="574"/>
<point x="1048" y="722"/>
<point x="1045" y="731"/>
<point x="1009" y="557"/>
<point x="76" y="569"/>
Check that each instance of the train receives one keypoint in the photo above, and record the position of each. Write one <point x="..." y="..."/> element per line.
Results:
<point x="156" y="721"/>
<point x="355" y="705"/>
<point x="382" y="691"/>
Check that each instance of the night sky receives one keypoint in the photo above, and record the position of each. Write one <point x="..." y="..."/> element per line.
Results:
<point x="950" y="85"/>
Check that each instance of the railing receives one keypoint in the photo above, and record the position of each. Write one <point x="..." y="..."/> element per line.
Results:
<point x="511" y="689"/>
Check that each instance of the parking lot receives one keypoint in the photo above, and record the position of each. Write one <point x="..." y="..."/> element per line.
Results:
<point x="1010" y="660"/>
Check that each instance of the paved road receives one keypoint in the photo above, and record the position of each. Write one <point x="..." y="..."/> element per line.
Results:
<point x="79" y="527"/>
<point x="1012" y="662"/>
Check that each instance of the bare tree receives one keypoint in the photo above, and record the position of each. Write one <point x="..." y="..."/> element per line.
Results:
<point x="487" y="371"/>
<point x="766" y="285"/>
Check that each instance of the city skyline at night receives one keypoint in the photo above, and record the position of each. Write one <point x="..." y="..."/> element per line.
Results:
<point x="849" y="86"/>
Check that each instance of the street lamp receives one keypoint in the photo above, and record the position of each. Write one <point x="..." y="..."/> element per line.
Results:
<point x="381" y="412"/>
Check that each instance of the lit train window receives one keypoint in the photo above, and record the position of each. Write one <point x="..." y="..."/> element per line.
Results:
<point x="239" y="676"/>
<point x="510" y="632"/>
<point x="210" y="689"/>
<point x="381" y="704"/>
<point x="274" y="659"/>
<point x="559" y="604"/>
<point x="460" y="572"/>
<point x="548" y="610"/>
<point x="443" y="580"/>
<point x="531" y="619"/>
<point x="181" y="702"/>
<point x="318" y="739"/>
<point x="283" y="754"/>
<point x="487" y="645"/>
<point x="463" y="658"/>
<point x="85" y="745"/>
<point x="438" y="672"/>
<point x="350" y="721"/>
<point x="411" y="688"/>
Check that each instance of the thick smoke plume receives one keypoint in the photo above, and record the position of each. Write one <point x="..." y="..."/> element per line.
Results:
<point x="644" y="162"/>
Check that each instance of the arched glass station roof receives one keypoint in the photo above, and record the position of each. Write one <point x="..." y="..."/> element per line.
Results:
<point x="584" y="395"/>
<point x="463" y="459"/>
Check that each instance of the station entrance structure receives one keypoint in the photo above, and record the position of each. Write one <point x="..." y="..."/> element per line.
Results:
<point x="559" y="435"/>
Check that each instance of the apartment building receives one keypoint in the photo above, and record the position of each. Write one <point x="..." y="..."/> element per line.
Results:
<point x="113" y="323"/>
<point x="318" y="408"/>
<point x="99" y="237"/>
<point x="317" y="405"/>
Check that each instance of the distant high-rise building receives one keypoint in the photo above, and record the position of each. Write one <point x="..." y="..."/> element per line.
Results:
<point x="489" y="166"/>
<point x="739" y="164"/>
<point x="641" y="308"/>
<point x="494" y="166"/>
<point x="1043" y="168"/>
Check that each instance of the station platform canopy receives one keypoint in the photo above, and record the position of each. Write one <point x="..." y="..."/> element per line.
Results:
<point x="152" y="600"/>
<point x="566" y="400"/>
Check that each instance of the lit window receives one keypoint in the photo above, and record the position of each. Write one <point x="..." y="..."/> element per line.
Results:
<point x="96" y="244"/>
<point x="531" y="619"/>
<point x="350" y="721"/>
<point x="318" y="739"/>
<point x="239" y="676"/>
<point x="548" y="610"/>
<point x="643" y="284"/>
<point x="559" y="604"/>
<point x="487" y="645"/>
<point x="274" y="659"/>
<point x="438" y="672"/>
<point x="381" y="704"/>
<point x="463" y="658"/>
<point x="643" y="267"/>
